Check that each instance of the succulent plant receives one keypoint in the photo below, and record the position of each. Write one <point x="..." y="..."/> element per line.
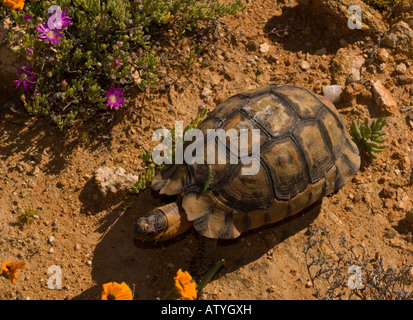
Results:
<point x="81" y="53"/>
<point x="368" y="136"/>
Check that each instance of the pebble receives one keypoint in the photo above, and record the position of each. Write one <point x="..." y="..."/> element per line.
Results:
<point x="383" y="97"/>
<point x="405" y="79"/>
<point x="206" y="92"/>
<point x="253" y="45"/>
<point x="349" y="207"/>
<point x="383" y="55"/>
<point x="52" y="240"/>
<point x="388" y="192"/>
<point x="333" y="92"/>
<point x="51" y="250"/>
<point x="401" y="68"/>
<point x="264" y="47"/>
<point x="304" y="65"/>
<point x="62" y="183"/>
<point x="260" y="70"/>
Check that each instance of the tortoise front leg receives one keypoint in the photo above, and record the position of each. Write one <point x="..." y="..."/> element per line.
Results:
<point x="204" y="258"/>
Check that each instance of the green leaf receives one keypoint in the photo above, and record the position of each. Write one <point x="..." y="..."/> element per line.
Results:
<point x="209" y="275"/>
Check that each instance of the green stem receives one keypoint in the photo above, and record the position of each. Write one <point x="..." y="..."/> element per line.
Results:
<point x="168" y="293"/>
<point x="209" y="275"/>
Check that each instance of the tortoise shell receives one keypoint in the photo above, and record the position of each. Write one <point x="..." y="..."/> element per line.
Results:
<point x="306" y="153"/>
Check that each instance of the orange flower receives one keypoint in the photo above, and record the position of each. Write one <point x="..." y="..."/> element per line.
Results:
<point x="14" y="4"/>
<point x="10" y="269"/>
<point x="186" y="287"/>
<point x="116" y="291"/>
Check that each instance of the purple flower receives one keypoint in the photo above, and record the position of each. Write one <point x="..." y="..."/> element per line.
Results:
<point x="115" y="98"/>
<point x="30" y="50"/>
<point x="49" y="34"/>
<point x="25" y="76"/>
<point x="27" y="17"/>
<point x="117" y="61"/>
<point x="56" y="22"/>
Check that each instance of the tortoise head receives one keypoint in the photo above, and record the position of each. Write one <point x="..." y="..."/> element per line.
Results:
<point x="162" y="223"/>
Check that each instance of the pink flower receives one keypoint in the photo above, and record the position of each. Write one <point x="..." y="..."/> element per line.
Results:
<point x="25" y="76"/>
<point x="115" y="98"/>
<point x="54" y="22"/>
<point x="52" y="35"/>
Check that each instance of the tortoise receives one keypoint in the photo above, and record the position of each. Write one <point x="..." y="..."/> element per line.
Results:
<point x="306" y="153"/>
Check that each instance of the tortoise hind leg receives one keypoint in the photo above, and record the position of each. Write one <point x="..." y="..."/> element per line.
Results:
<point x="204" y="258"/>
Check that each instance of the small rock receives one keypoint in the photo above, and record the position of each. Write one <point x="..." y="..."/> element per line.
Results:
<point x="402" y="205"/>
<point x="383" y="55"/>
<point x="345" y="66"/>
<point x="229" y="75"/>
<point x="34" y="172"/>
<point x="304" y="65"/>
<point x="253" y="45"/>
<point x="393" y="216"/>
<point x="62" y="183"/>
<point x="206" y="92"/>
<point x="405" y="79"/>
<point x="349" y="207"/>
<point x="333" y="92"/>
<point x="260" y="70"/>
<point x="52" y="240"/>
<point x="400" y="38"/>
<point x="114" y="179"/>
<point x="401" y="68"/>
<point x="355" y="93"/>
<point x="264" y="47"/>
<point x="388" y="203"/>
<point x="383" y="98"/>
<point x="51" y="250"/>
<point x="388" y="192"/>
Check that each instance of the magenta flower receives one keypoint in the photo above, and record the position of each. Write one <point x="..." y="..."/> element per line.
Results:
<point x="65" y="18"/>
<point x="117" y="61"/>
<point x="25" y="76"/>
<point x="54" y="22"/>
<point x="27" y="17"/>
<point x="52" y="35"/>
<point x="30" y="50"/>
<point x="115" y="98"/>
